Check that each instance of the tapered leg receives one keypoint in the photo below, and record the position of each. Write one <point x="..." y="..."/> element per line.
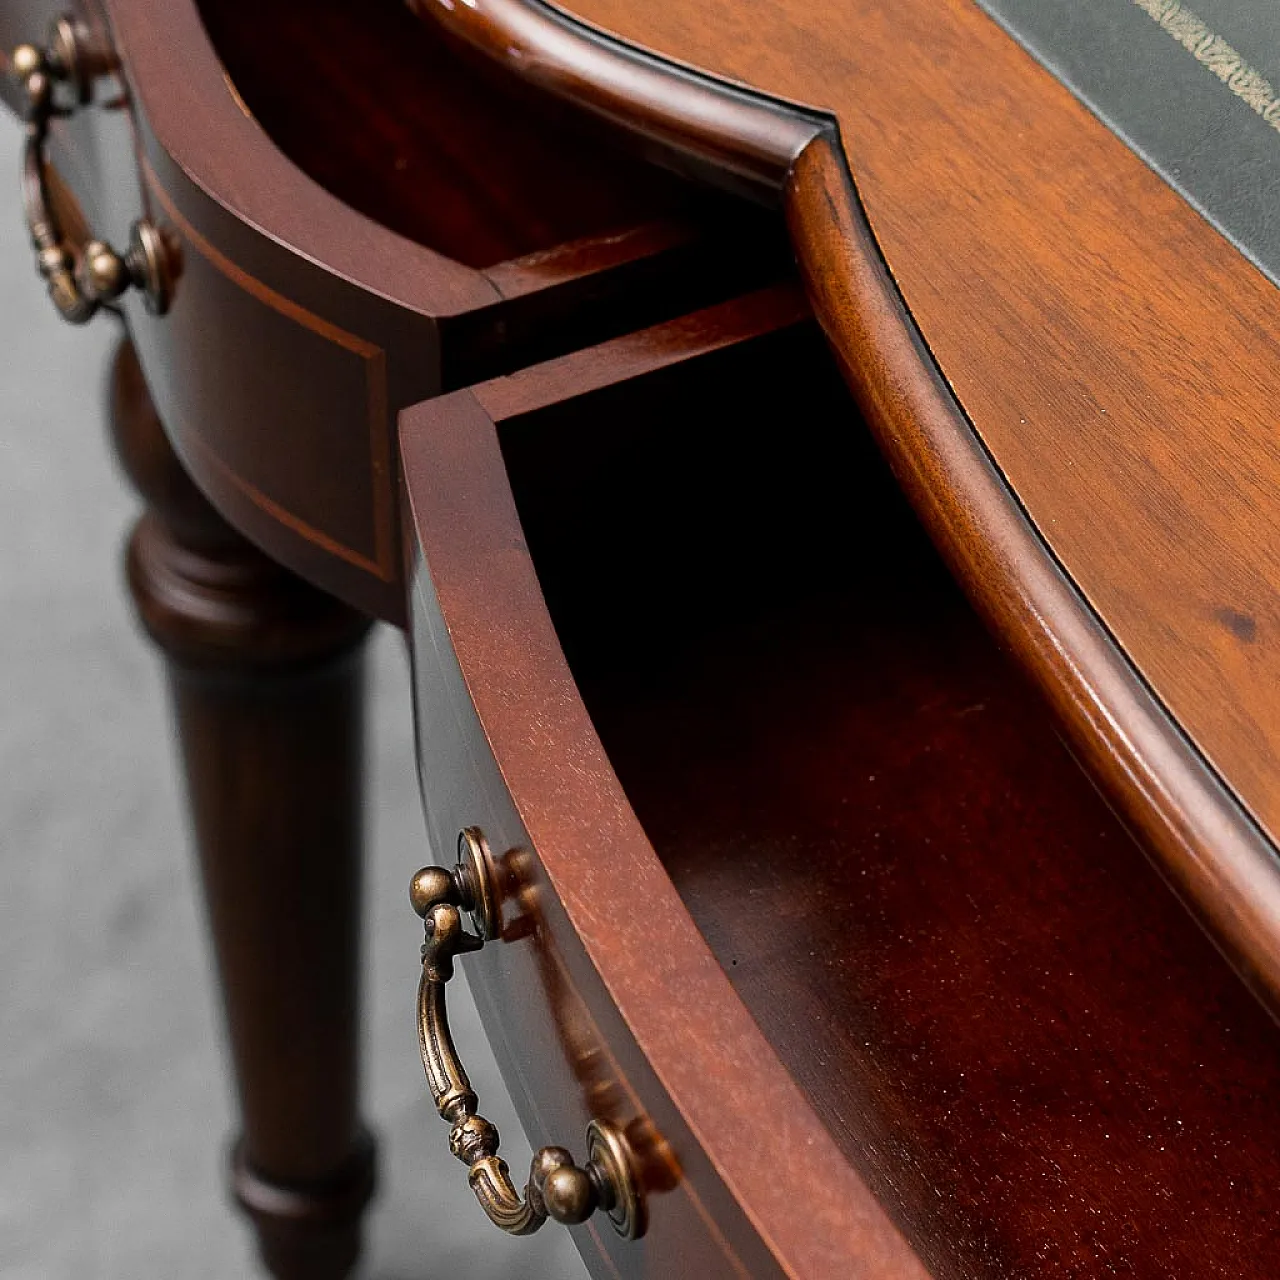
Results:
<point x="265" y="673"/>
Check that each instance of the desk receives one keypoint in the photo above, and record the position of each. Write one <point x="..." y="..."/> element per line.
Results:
<point x="793" y="881"/>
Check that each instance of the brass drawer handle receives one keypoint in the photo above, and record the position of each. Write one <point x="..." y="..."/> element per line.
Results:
<point x="557" y="1187"/>
<point x="78" y="288"/>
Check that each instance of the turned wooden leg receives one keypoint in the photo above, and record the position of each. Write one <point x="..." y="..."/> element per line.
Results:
<point x="265" y="672"/>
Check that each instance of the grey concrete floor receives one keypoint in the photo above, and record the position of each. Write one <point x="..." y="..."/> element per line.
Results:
<point x="115" y="1105"/>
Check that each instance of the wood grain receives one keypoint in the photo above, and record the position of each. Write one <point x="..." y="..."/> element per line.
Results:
<point x="1013" y="1032"/>
<point x="1118" y="356"/>
<point x="382" y="113"/>
<point x="1001" y="1020"/>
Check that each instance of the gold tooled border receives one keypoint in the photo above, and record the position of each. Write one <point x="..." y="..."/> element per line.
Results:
<point x="1216" y="55"/>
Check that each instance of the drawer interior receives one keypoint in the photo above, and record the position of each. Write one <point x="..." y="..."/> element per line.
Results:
<point x="370" y="102"/>
<point x="1013" y="1029"/>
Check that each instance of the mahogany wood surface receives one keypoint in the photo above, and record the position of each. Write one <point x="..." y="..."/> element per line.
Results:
<point x="1111" y="356"/>
<point x="379" y="111"/>
<point x="298" y="328"/>
<point x="267" y="689"/>
<point x="1011" y="1031"/>
<point x="383" y="114"/>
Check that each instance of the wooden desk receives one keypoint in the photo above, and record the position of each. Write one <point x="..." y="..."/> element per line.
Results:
<point x="794" y="881"/>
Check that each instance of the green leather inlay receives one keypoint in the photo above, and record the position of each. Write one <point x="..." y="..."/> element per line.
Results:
<point x="1192" y="88"/>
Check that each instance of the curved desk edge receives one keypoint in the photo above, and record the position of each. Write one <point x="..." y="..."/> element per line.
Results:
<point x="1207" y="846"/>
<point x="739" y="139"/>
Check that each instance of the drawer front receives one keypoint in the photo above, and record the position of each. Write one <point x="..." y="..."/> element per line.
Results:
<point x="296" y="329"/>
<point x="602" y="999"/>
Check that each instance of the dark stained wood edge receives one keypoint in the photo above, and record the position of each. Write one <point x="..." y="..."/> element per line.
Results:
<point x="468" y="553"/>
<point x="1202" y="839"/>
<point x="194" y="115"/>
<point x="192" y="121"/>
<point x="519" y="277"/>
<point x="636" y="355"/>
<point x="742" y="139"/>
<point x="1205" y="843"/>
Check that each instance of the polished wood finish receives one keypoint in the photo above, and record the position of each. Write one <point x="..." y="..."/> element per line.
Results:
<point x="1003" y="1025"/>
<point x="265" y="674"/>
<point x="713" y="131"/>
<point x="1119" y="381"/>
<point x="1202" y="838"/>
<point x="377" y="110"/>
<point x="579" y="239"/>
<point x="1012" y="1031"/>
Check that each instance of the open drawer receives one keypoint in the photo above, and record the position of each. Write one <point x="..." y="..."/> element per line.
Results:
<point x="800" y="887"/>
<point x="346" y="218"/>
